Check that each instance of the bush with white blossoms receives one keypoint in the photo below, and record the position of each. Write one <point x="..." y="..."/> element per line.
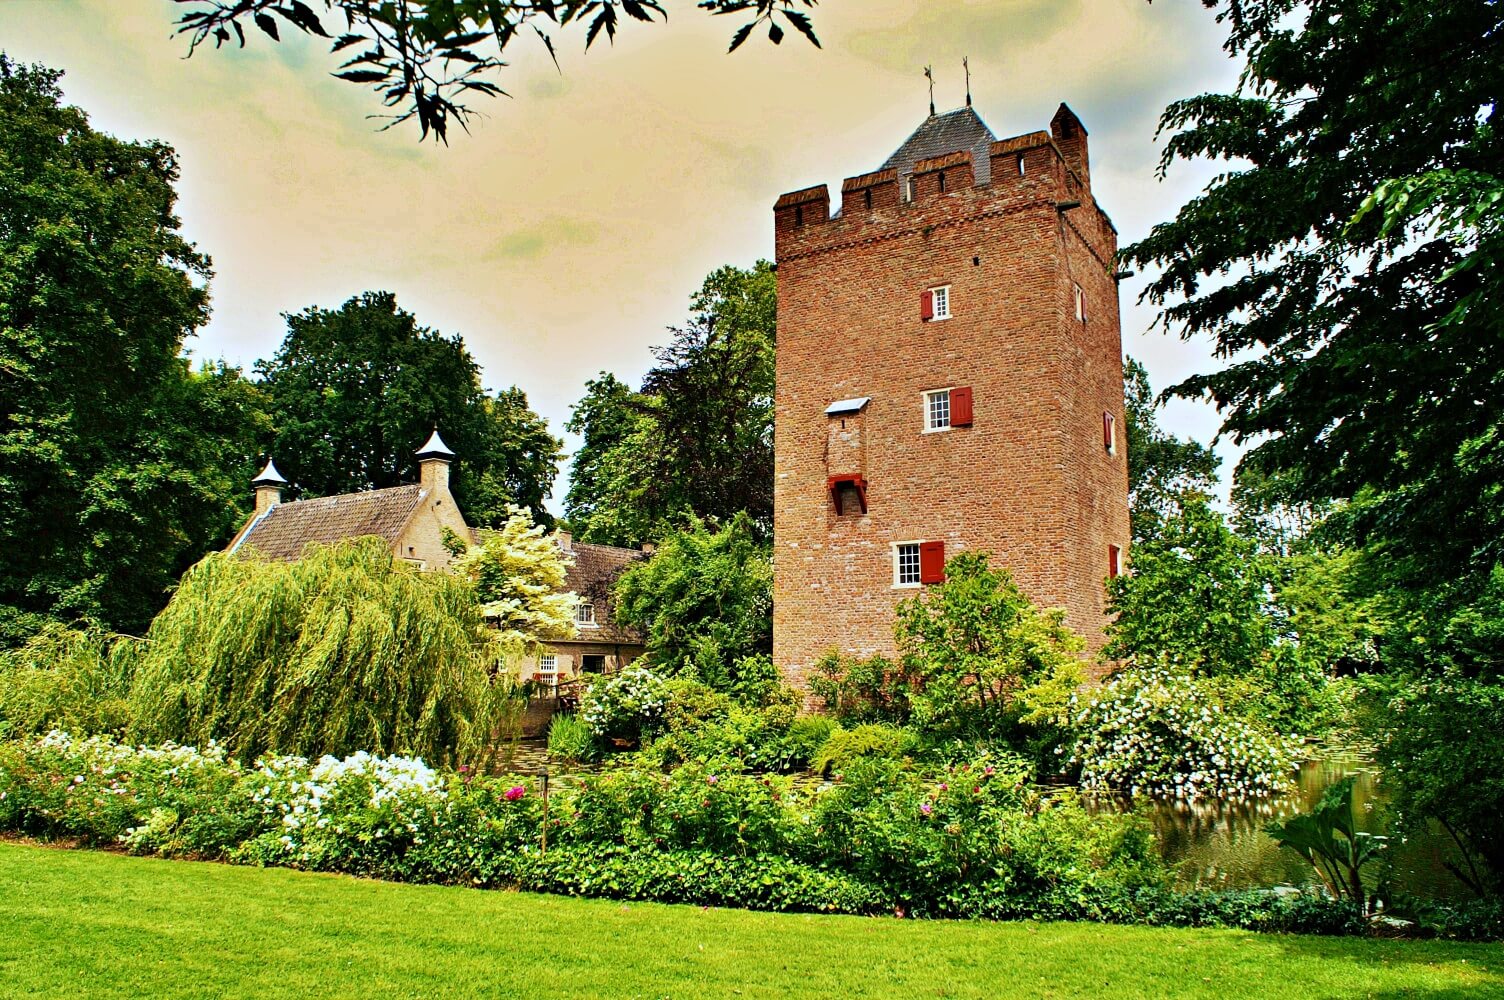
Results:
<point x="1148" y="731"/>
<point x="627" y="705"/>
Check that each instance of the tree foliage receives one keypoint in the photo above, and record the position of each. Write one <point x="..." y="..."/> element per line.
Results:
<point x="355" y="390"/>
<point x="705" y="602"/>
<point x="519" y="577"/>
<point x="345" y="649"/>
<point x="1197" y="598"/>
<point x="1161" y="466"/>
<point x="1365" y="342"/>
<point x="698" y="438"/>
<point x="976" y="653"/>
<point x="424" y="58"/>
<point x="119" y="464"/>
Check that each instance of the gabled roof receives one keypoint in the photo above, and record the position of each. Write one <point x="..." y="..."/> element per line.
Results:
<point x="284" y="530"/>
<point x="595" y="571"/>
<point x="947" y="133"/>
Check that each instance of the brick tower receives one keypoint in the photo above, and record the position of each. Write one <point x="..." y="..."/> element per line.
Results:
<point x="949" y="378"/>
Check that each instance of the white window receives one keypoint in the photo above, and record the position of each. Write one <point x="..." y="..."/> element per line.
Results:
<point x="548" y="664"/>
<point x="584" y="614"/>
<point x="941" y="299"/>
<point x="937" y="410"/>
<point x="1020" y="164"/>
<point x="906" y="564"/>
<point x="1080" y="297"/>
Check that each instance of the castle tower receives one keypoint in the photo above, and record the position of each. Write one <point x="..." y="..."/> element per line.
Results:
<point x="949" y="379"/>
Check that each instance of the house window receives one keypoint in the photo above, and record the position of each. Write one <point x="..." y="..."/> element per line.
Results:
<point x="906" y="564"/>
<point x="1020" y="164"/>
<point x="937" y="410"/>
<point x="548" y="664"/>
<point x="1110" y="433"/>
<point x="584" y="614"/>
<point x="1114" y="562"/>
<point x="1080" y="298"/>
<point x="941" y="298"/>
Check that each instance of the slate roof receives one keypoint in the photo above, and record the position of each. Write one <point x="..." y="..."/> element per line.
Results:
<point x="946" y="133"/>
<point x="282" y="532"/>
<point x="595" y="570"/>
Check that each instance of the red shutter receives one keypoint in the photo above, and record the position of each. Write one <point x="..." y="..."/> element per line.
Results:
<point x="1114" y="562"/>
<point x="926" y="305"/>
<point x="931" y="562"/>
<point x="960" y="406"/>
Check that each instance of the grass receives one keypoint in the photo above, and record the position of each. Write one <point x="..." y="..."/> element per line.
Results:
<point x="91" y="924"/>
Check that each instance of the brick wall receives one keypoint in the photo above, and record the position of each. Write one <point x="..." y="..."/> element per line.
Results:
<point x="1030" y="481"/>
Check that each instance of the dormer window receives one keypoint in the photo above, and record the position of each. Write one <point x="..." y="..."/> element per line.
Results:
<point x="584" y="615"/>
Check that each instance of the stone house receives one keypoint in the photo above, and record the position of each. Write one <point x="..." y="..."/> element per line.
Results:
<point x="413" y="519"/>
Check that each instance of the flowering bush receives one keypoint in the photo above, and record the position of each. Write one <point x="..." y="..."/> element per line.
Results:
<point x="627" y="705"/>
<point x="171" y="799"/>
<point x="1154" y="732"/>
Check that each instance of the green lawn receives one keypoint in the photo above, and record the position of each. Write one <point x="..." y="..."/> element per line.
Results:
<point x="92" y="924"/>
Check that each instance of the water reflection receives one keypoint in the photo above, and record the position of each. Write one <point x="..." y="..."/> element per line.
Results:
<point x="1219" y="845"/>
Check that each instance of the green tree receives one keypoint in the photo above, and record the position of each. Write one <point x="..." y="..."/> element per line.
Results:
<point x="1366" y="343"/>
<point x="698" y="438"/>
<point x="519" y="577"/>
<point x="1197" y="598"/>
<point x="119" y="464"/>
<point x="705" y="603"/>
<point x="977" y="654"/>
<point x="354" y="391"/>
<point x="424" y="57"/>
<point x="345" y="649"/>
<point x="1161" y="466"/>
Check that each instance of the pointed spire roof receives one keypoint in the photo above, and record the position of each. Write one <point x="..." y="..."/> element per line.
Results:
<point x="947" y="132"/>
<point x="269" y="476"/>
<point x="435" y="447"/>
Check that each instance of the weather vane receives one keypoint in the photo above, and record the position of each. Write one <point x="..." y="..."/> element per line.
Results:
<point x="930" y="76"/>
<point x="967" y="67"/>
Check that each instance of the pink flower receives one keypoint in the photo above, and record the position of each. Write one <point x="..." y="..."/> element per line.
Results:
<point x="944" y="787"/>
<point x="710" y="780"/>
<point x="515" y="792"/>
<point x="926" y="808"/>
<point x="988" y="769"/>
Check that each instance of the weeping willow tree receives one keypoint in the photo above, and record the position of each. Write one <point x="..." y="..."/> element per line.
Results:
<point x="77" y="679"/>
<point x="345" y="649"/>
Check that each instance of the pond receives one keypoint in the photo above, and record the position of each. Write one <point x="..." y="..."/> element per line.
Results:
<point x="1224" y="846"/>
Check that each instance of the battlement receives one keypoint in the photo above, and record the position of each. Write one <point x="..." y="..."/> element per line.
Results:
<point x="1032" y="167"/>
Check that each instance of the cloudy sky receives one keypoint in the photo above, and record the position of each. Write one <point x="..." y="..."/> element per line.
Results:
<point x="568" y="230"/>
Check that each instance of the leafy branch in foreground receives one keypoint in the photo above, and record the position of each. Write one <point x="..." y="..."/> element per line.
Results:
<point x="425" y="57"/>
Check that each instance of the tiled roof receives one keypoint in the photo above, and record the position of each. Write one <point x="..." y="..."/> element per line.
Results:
<point x="945" y="133"/>
<point x="595" y="571"/>
<point x="284" y="530"/>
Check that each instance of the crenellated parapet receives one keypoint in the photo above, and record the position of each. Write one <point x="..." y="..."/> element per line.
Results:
<point x="1041" y="169"/>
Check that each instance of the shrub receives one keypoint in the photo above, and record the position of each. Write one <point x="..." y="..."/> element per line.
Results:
<point x="626" y="706"/>
<point x="570" y="739"/>
<point x="1442" y="749"/>
<point x="980" y="658"/>
<point x="71" y="679"/>
<point x="1149" y="731"/>
<point x="762" y="739"/>
<point x="843" y="747"/>
<point x="860" y="691"/>
<point x="169" y="800"/>
<point x="700" y="877"/>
